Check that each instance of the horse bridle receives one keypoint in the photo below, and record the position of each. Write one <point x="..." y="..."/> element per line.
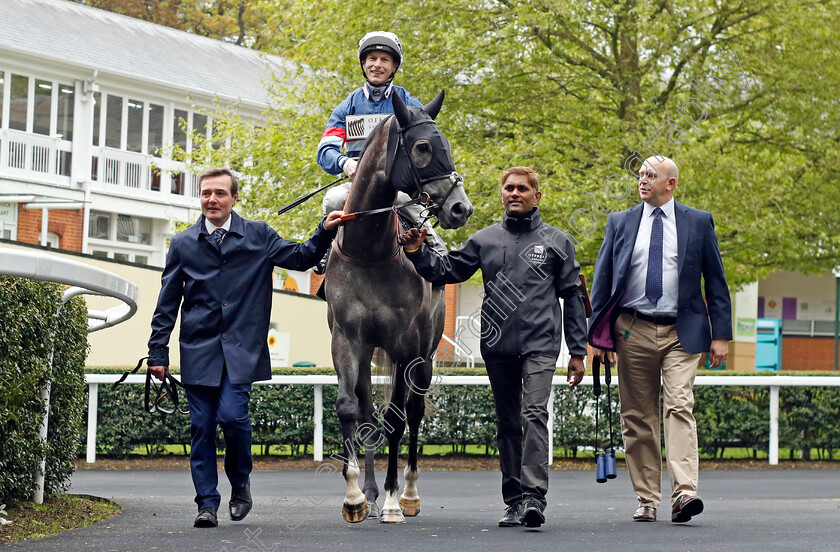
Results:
<point x="431" y="207"/>
<point x="168" y="388"/>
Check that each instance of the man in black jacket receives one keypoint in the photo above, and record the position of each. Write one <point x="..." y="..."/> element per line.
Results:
<point x="526" y="265"/>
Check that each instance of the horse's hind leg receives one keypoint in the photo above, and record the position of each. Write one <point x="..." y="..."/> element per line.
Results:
<point x="345" y="358"/>
<point x="415" y="408"/>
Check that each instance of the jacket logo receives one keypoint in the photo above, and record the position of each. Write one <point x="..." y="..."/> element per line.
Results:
<point x="537" y="254"/>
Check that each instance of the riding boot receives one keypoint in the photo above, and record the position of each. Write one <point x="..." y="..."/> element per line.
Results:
<point x="321" y="267"/>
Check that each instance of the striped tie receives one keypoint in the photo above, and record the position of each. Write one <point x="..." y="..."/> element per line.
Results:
<point x="219" y="235"/>
<point x="653" y="284"/>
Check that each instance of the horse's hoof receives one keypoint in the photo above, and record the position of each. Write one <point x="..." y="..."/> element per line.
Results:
<point x="354" y="513"/>
<point x="374" y="510"/>
<point x="410" y="506"/>
<point x="392" y="516"/>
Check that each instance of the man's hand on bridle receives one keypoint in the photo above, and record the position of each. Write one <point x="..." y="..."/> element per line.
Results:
<point x="412" y="239"/>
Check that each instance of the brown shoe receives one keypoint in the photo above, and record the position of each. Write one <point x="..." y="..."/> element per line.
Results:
<point x="685" y="508"/>
<point x="645" y="513"/>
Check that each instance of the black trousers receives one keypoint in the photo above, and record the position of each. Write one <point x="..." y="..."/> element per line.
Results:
<point x="521" y="387"/>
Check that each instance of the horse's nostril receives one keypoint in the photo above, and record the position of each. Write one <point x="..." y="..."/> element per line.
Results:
<point x="458" y="209"/>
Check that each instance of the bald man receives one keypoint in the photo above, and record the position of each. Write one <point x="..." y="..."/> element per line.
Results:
<point x="648" y="307"/>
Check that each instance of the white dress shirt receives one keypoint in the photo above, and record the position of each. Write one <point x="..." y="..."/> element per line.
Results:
<point x="634" y="296"/>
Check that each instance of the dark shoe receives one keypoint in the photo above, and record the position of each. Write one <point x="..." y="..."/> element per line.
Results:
<point x="685" y="508"/>
<point x="532" y="513"/>
<point x="512" y="517"/>
<point x="206" y="518"/>
<point x="240" y="502"/>
<point x="321" y="267"/>
<point x="645" y="513"/>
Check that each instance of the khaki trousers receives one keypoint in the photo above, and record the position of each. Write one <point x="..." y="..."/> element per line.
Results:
<point x="652" y="361"/>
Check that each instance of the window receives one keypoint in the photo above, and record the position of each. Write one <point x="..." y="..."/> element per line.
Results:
<point x="135" y="126"/>
<point x="2" y="86"/>
<point x="155" y="179"/>
<point x="199" y="130"/>
<point x="113" y="122"/>
<point x="177" y="184"/>
<point x="64" y="126"/>
<point x="43" y="107"/>
<point x="100" y="224"/>
<point x="17" y="103"/>
<point x="121" y="257"/>
<point x="99" y="254"/>
<point x="179" y="137"/>
<point x="53" y="240"/>
<point x="97" y="112"/>
<point x="134" y="229"/>
<point x="141" y="259"/>
<point x="155" y="140"/>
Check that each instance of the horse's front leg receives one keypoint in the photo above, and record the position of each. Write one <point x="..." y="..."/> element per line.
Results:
<point x="355" y="507"/>
<point x="415" y="409"/>
<point x="394" y="423"/>
<point x="370" y="437"/>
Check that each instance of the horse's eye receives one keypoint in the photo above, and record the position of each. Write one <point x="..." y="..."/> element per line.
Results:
<point x="421" y="153"/>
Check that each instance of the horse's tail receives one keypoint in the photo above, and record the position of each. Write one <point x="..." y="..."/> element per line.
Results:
<point x="381" y="365"/>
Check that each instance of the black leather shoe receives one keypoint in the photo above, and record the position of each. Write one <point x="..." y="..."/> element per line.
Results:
<point x="532" y="513"/>
<point x="240" y="502"/>
<point x="206" y="518"/>
<point x="685" y="508"/>
<point x="512" y="517"/>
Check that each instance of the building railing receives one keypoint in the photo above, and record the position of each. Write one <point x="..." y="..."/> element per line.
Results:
<point x="143" y="175"/>
<point x="27" y="154"/>
<point x="318" y="383"/>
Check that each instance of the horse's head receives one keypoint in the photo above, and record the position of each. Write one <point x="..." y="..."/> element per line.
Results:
<point x="420" y="163"/>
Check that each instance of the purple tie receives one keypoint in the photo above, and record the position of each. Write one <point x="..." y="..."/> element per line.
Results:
<point x="219" y="235"/>
<point x="653" y="284"/>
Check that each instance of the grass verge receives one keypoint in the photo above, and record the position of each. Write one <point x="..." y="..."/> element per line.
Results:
<point x="56" y="514"/>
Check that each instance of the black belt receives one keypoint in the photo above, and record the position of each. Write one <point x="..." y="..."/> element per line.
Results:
<point x="660" y="319"/>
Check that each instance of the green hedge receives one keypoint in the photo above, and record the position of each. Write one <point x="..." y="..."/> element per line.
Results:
<point x="282" y="415"/>
<point x="27" y="323"/>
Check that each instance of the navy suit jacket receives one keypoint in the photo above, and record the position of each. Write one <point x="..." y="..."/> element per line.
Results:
<point x="224" y="294"/>
<point x="697" y="255"/>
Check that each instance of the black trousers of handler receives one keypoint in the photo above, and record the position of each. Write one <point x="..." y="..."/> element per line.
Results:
<point x="521" y="387"/>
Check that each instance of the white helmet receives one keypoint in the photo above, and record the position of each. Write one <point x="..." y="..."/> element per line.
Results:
<point x="383" y="41"/>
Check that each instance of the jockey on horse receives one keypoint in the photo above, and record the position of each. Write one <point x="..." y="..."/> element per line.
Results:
<point x="380" y="55"/>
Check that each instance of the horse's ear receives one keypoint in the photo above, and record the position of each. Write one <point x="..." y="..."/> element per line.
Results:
<point x="400" y="111"/>
<point x="433" y="107"/>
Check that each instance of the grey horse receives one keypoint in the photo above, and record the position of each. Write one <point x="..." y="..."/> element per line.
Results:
<point x="376" y="300"/>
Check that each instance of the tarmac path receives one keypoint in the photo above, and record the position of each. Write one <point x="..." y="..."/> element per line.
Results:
<point x="771" y="510"/>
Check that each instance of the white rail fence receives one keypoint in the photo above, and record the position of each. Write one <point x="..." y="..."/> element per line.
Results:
<point x="318" y="382"/>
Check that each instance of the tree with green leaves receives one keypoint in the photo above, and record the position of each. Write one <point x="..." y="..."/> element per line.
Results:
<point x="742" y="95"/>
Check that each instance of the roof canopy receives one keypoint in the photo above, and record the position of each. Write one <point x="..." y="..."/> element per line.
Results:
<point x="114" y="44"/>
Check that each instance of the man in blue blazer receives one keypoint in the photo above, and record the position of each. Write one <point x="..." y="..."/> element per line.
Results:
<point x="648" y="307"/>
<point x="219" y="275"/>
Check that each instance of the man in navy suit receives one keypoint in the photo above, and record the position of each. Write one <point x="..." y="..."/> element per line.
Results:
<point x="218" y="273"/>
<point x="647" y="305"/>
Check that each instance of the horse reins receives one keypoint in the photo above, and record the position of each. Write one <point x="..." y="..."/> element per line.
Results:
<point x="167" y="388"/>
